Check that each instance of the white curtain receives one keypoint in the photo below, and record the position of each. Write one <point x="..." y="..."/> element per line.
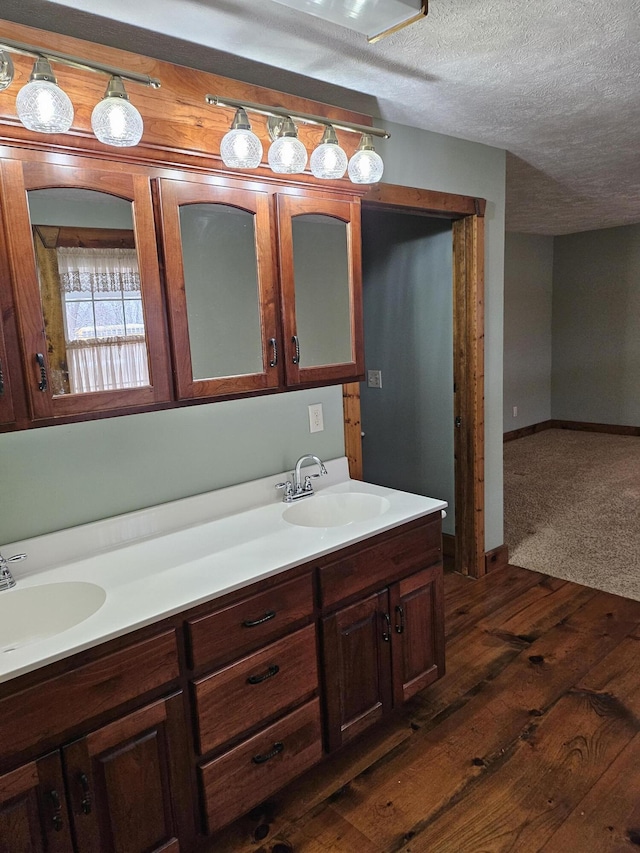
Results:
<point x="103" y="355"/>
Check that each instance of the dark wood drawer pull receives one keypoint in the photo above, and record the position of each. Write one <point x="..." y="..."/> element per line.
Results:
<point x="276" y="750"/>
<point x="258" y="679"/>
<point x="400" y="613"/>
<point x="56" y="818"/>
<point x="252" y="623"/>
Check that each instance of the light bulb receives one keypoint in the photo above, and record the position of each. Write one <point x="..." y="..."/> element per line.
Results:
<point x="41" y="104"/>
<point x="287" y="155"/>
<point x="328" y="160"/>
<point x="115" y="121"/>
<point x="365" y="167"/>
<point x="240" y="148"/>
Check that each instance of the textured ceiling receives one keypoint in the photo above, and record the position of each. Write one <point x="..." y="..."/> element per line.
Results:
<point x="555" y="82"/>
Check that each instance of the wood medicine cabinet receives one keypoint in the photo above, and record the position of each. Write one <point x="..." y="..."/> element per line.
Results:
<point x="82" y="252"/>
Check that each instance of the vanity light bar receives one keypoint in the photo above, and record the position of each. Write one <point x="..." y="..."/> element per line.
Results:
<point x="276" y="112"/>
<point x="77" y="62"/>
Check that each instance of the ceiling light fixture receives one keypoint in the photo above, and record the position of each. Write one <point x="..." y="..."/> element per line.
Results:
<point x="115" y="120"/>
<point x="374" y="19"/>
<point x="287" y="155"/>
<point x="42" y="106"/>
<point x="240" y="147"/>
<point x="327" y="158"/>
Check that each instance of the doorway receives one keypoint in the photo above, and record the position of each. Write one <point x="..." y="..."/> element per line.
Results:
<point x="466" y="218"/>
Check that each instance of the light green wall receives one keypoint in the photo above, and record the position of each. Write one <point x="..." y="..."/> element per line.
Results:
<point x="422" y="159"/>
<point x="596" y="323"/>
<point x="65" y="475"/>
<point x="408" y="324"/>
<point x="528" y="279"/>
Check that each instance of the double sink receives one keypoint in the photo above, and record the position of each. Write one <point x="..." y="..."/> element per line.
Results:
<point x="156" y="562"/>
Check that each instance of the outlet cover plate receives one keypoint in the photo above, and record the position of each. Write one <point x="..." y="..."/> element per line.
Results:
<point x="316" y="419"/>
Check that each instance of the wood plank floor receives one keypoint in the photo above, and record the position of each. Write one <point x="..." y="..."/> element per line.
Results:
<point x="531" y="741"/>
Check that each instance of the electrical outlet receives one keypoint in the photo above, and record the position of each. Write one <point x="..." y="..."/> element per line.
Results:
<point x="374" y="378"/>
<point x="316" y="420"/>
<point x="515" y="411"/>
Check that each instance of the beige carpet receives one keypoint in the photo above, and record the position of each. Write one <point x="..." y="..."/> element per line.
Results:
<point x="572" y="507"/>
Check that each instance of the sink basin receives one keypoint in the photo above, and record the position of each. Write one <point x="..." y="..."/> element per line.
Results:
<point x="37" y="612"/>
<point x="336" y="510"/>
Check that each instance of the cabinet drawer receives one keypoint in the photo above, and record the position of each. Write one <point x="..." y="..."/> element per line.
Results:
<point x="51" y="708"/>
<point x="256" y="688"/>
<point x="248" y="774"/>
<point x="380" y="564"/>
<point x="242" y="627"/>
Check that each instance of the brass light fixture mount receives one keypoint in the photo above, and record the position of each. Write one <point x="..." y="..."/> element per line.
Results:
<point x="278" y="117"/>
<point x="75" y="62"/>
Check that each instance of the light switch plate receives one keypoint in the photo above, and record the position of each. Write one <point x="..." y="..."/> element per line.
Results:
<point x="316" y="419"/>
<point x="374" y="378"/>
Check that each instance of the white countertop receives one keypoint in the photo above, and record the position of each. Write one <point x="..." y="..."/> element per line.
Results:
<point x="159" y="561"/>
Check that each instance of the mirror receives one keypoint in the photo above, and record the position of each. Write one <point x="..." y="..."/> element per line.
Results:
<point x="321" y="275"/>
<point x="90" y="290"/>
<point x="221" y="289"/>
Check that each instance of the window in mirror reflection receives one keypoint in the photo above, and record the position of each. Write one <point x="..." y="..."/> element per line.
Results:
<point x="90" y="290"/>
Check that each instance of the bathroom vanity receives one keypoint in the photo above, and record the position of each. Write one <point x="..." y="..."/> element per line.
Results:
<point x="232" y="650"/>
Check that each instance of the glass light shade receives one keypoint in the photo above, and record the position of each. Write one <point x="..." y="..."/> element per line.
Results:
<point x="115" y="121"/>
<point x="365" y="167"/>
<point x="43" y="106"/>
<point x="241" y="149"/>
<point x="328" y="161"/>
<point x="287" y="155"/>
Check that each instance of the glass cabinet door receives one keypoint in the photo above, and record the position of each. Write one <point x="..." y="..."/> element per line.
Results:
<point x="321" y="289"/>
<point x="220" y="288"/>
<point x="82" y="250"/>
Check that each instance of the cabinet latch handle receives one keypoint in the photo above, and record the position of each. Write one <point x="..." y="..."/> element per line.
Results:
<point x="274" y="347"/>
<point x="275" y="750"/>
<point x="386" y="631"/>
<point x="1" y="380"/>
<point x="56" y="818"/>
<point x="400" y="613"/>
<point x="252" y="623"/>
<point x="85" y="802"/>
<point x="42" y="385"/>
<point x="296" y="347"/>
<point x="258" y="679"/>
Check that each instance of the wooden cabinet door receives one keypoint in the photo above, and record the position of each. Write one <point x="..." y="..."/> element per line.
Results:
<point x="321" y="280"/>
<point x="417" y="632"/>
<point x="125" y="789"/>
<point x="221" y="287"/>
<point x="357" y="667"/>
<point x="33" y="809"/>
<point x="83" y="256"/>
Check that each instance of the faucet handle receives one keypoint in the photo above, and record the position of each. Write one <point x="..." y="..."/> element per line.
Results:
<point x="15" y="559"/>
<point x="288" y="488"/>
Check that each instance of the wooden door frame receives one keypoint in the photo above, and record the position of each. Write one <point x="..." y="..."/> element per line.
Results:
<point x="467" y="215"/>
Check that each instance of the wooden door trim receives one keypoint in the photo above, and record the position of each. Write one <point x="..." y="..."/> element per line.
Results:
<point x="467" y="214"/>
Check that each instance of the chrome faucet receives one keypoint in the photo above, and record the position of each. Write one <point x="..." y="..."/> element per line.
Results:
<point x="7" y="581"/>
<point x="297" y="488"/>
